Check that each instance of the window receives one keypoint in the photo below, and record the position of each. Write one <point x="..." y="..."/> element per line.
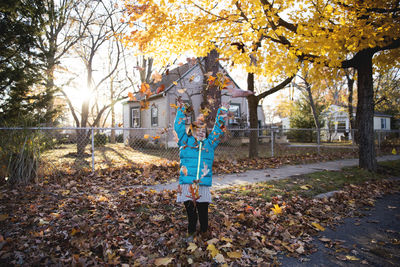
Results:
<point x="383" y="123"/>
<point x="135" y="117"/>
<point x="341" y="127"/>
<point x="154" y="116"/>
<point x="235" y="109"/>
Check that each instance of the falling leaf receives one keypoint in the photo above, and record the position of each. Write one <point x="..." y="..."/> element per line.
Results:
<point x="192" y="247"/>
<point x="146" y="136"/>
<point x="191" y="78"/>
<point x="276" y="209"/>
<point x="213" y="250"/>
<point x="157" y="77"/>
<point x="160" y="88"/>
<point x="394" y="152"/>
<point x="139" y="68"/>
<point x="181" y="91"/>
<point x="163" y="261"/>
<point x="144" y="87"/>
<point x="234" y="254"/>
<point x="238" y="92"/>
<point x="211" y="78"/>
<point x="204" y="171"/>
<point x="352" y="258"/>
<point x="184" y="170"/>
<point x="144" y="105"/>
<point x="175" y="82"/>
<point x="318" y="226"/>
<point x="131" y="96"/>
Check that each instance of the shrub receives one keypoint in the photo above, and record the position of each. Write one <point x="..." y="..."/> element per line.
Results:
<point x="100" y="139"/>
<point x="19" y="155"/>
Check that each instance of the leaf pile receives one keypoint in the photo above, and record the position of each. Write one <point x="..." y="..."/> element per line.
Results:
<point x="95" y="221"/>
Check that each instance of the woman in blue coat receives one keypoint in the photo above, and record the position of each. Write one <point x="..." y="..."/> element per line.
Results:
<point x="196" y="152"/>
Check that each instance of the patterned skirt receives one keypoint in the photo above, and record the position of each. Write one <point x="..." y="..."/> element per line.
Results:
<point x="204" y="193"/>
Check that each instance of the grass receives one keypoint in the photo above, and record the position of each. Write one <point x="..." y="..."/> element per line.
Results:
<point x="112" y="155"/>
<point x="315" y="183"/>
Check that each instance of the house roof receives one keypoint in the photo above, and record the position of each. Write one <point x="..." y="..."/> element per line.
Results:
<point x="381" y="114"/>
<point x="168" y="79"/>
<point x="376" y="113"/>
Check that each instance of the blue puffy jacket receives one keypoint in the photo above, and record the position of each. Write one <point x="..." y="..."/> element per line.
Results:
<point x="197" y="157"/>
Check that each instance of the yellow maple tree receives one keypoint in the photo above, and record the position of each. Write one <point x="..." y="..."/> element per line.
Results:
<point x="274" y="39"/>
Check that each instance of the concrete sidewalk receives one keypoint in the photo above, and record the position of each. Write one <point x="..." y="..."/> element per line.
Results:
<point x="254" y="176"/>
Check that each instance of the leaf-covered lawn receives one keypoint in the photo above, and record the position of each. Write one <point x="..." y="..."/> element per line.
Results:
<point x="93" y="220"/>
<point x="117" y="161"/>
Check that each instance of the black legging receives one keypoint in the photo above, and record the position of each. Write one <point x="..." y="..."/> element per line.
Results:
<point x="202" y="209"/>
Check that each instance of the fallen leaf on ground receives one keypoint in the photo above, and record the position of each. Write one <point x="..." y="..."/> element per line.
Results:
<point x="318" y="226"/>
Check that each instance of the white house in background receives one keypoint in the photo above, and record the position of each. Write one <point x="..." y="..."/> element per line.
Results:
<point x="338" y="119"/>
<point x="182" y="81"/>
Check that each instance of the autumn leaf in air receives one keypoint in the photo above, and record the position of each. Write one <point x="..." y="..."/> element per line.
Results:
<point x="146" y="136"/>
<point x="160" y="88"/>
<point x="131" y="96"/>
<point x="211" y="78"/>
<point x="239" y="93"/>
<point x="157" y="77"/>
<point x="144" y="105"/>
<point x="204" y="171"/>
<point x="184" y="170"/>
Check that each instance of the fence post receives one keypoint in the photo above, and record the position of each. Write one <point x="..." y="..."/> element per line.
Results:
<point x="379" y="139"/>
<point x="92" y="150"/>
<point x="318" y="140"/>
<point x="272" y="142"/>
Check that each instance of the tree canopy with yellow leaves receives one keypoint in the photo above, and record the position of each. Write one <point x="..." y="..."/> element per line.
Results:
<point x="275" y="38"/>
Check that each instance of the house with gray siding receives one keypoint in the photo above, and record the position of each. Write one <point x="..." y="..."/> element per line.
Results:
<point x="185" y="81"/>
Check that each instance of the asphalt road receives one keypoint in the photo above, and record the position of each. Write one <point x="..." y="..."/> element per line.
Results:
<point x="373" y="240"/>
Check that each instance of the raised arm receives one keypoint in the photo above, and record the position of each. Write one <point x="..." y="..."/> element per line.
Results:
<point x="217" y="132"/>
<point x="179" y="125"/>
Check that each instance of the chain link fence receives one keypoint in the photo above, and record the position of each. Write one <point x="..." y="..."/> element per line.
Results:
<point x="38" y="152"/>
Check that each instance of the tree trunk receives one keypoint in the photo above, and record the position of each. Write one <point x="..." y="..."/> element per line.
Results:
<point x="211" y="65"/>
<point x="350" y="86"/>
<point x="365" y="112"/>
<point x="253" y="103"/>
<point x="314" y="112"/>
<point x="112" y="139"/>
<point x="82" y="136"/>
